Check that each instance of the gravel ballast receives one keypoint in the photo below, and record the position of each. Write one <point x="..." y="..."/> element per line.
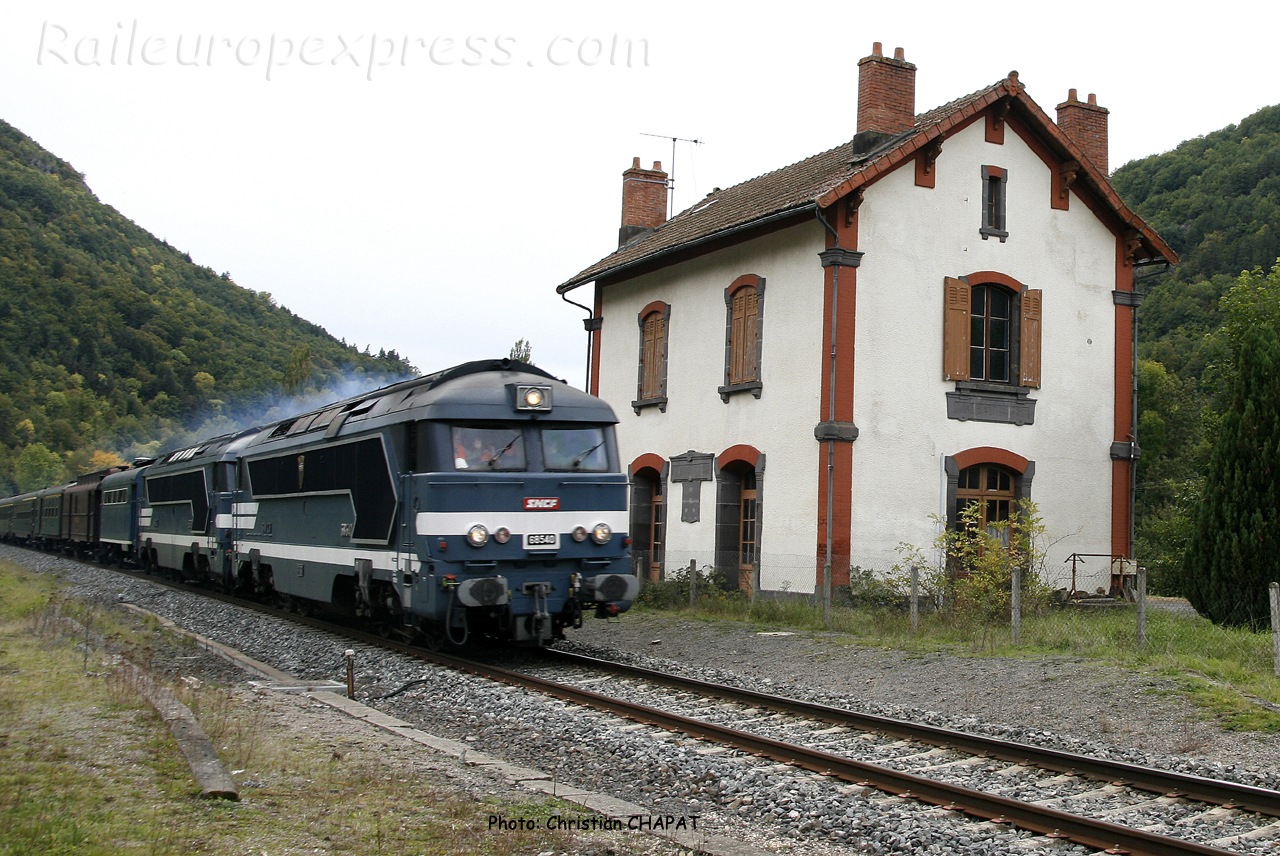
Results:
<point x="1065" y="703"/>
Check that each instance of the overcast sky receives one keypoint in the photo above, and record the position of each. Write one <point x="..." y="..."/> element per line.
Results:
<point x="420" y="176"/>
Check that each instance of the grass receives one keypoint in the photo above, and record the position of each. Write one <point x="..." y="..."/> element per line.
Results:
<point x="1227" y="672"/>
<point x="88" y="768"/>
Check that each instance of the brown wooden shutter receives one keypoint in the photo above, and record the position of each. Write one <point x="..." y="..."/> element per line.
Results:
<point x="1029" y="337"/>
<point x="750" y="332"/>
<point x="955" y="330"/>
<point x="743" y="303"/>
<point x="654" y="341"/>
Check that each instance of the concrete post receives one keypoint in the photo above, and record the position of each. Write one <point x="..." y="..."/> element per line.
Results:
<point x="1015" y="607"/>
<point x="693" y="583"/>
<point x="1275" y="624"/>
<point x="915" y="600"/>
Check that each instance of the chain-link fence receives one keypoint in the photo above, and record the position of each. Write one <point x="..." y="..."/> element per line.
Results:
<point x="930" y="602"/>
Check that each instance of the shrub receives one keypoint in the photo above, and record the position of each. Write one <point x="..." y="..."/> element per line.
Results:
<point x="970" y="577"/>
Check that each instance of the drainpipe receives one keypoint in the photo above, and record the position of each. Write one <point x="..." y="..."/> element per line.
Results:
<point x="831" y="443"/>
<point x="830" y="431"/>
<point x="591" y="323"/>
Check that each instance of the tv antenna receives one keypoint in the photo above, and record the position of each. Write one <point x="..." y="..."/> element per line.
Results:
<point x="671" y="176"/>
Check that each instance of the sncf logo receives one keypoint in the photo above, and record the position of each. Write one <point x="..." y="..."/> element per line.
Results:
<point x="541" y="503"/>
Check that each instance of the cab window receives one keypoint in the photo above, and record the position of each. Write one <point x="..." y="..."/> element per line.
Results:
<point x="488" y="447"/>
<point x="575" y="449"/>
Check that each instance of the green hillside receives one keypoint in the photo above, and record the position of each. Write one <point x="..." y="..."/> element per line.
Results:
<point x="112" y="341"/>
<point x="1216" y="200"/>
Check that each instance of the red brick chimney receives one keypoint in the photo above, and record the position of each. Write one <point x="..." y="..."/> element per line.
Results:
<point x="644" y="200"/>
<point x="886" y="92"/>
<point x="1086" y="126"/>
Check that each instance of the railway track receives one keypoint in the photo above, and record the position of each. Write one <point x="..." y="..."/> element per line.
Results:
<point x="914" y="761"/>
<point x="922" y="762"/>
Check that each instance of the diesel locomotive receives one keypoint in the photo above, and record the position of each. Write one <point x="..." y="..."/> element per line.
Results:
<point x="483" y="500"/>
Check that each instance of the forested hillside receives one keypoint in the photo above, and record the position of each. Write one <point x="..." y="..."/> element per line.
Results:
<point x="113" y="342"/>
<point x="1216" y="200"/>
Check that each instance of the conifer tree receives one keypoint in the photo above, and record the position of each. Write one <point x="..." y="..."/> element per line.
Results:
<point x="1234" y="550"/>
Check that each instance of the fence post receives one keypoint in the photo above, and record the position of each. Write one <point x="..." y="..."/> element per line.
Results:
<point x="915" y="600"/>
<point x="1015" y="607"/>
<point x="1275" y="624"/>
<point x="693" y="583"/>
<point x="1142" y="608"/>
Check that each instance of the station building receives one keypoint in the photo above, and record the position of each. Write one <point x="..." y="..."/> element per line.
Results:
<point x="824" y="361"/>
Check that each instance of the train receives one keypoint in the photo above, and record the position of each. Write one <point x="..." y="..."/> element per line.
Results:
<point x="482" y="501"/>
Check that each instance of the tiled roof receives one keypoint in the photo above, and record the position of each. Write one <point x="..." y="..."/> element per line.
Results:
<point x="822" y="179"/>
<point x="790" y="188"/>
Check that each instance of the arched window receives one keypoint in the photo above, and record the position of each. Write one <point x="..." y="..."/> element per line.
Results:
<point x="738" y="516"/>
<point x="648" y="521"/>
<point x="744" y="318"/>
<point x="654" y="333"/>
<point x="991" y="330"/>
<point x="993" y="489"/>
<point x="744" y="303"/>
<point x="991" y="333"/>
<point x="991" y="347"/>
<point x="651" y="385"/>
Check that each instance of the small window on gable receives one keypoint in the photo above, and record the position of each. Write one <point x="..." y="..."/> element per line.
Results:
<point x="994" y="179"/>
<point x="744" y="301"/>
<point x="651" y="385"/>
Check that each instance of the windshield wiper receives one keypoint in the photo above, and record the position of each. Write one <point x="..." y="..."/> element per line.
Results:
<point x="578" y="460"/>
<point x="495" y="458"/>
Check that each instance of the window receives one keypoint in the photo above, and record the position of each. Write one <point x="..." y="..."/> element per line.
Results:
<point x="651" y="385"/>
<point x="744" y="301"/>
<point x="488" y="447"/>
<point x="648" y="521"/>
<point x="991" y="487"/>
<point x="991" y="347"/>
<point x="573" y="449"/>
<point x="739" y="517"/>
<point x="990" y="333"/>
<point x="993" y="202"/>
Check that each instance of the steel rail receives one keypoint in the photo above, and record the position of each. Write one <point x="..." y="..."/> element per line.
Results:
<point x="1102" y="835"/>
<point x="1199" y="788"/>
<point x="1099" y="834"/>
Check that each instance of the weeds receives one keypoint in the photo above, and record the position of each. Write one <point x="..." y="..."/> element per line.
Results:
<point x="87" y="768"/>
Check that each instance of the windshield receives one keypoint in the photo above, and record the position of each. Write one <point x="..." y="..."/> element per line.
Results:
<point x="488" y="447"/>
<point x="575" y="449"/>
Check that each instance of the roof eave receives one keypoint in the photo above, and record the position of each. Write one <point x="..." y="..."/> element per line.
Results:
<point x="685" y="246"/>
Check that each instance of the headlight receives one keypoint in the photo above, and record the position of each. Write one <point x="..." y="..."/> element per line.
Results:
<point x="502" y="534"/>
<point x="579" y="534"/>
<point x="601" y="533"/>
<point x="477" y="536"/>
<point x="533" y="397"/>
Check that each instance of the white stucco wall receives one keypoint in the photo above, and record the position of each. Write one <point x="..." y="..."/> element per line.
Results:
<point x="779" y="423"/>
<point x="913" y="237"/>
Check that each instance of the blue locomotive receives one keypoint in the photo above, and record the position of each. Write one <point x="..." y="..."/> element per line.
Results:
<point x="486" y="499"/>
